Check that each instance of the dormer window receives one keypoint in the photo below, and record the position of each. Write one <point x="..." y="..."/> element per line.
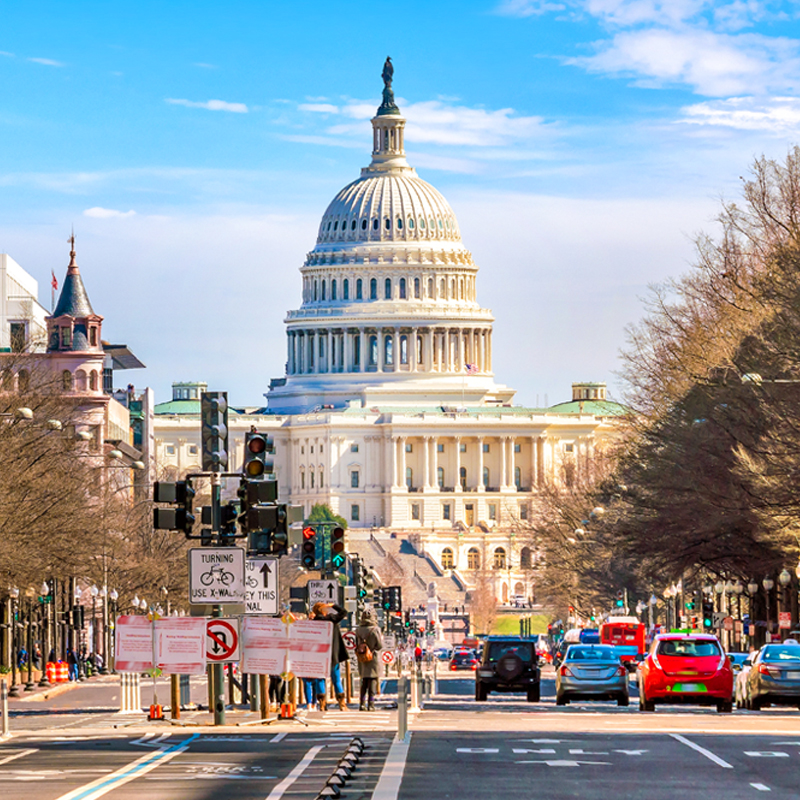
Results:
<point x="66" y="337"/>
<point x="93" y="337"/>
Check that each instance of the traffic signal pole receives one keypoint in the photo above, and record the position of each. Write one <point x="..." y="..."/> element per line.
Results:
<point x="217" y="674"/>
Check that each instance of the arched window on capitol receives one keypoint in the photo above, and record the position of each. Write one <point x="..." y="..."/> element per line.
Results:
<point x="486" y="476"/>
<point x="404" y="349"/>
<point x="388" y="351"/>
<point x="462" y="477"/>
<point x="447" y="558"/>
<point x="440" y="477"/>
<point x="373" y="289"/>
<point x="387" y="289"/>
<point x="409" y="477"/>
<point x="333" y="289"/>
<point x="345" y="289"/>
<point x="473" y="558"/>
<point x="402" y="288"/>
<point x="373" y="351"/>
<point x="525" y="561"/>
<point x="499" y="558"/>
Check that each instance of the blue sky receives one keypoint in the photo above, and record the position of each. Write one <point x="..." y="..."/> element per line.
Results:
<point x="195" y="146"/>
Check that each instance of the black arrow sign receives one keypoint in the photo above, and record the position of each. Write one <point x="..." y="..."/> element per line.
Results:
<point x="265" y="571"/>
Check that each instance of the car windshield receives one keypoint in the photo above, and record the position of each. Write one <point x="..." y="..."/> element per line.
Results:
<point x="499" y="649"/>
<point x="688" y="648"/>
<point x="591" y="654"/>
<point x="781" y="653"/>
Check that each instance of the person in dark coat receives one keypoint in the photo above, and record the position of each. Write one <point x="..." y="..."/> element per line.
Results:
<point x="335" y="614"/>
<point x="369" y="633"/>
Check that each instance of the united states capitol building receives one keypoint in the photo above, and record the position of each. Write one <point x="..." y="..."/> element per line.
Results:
<point x="389" y="411"/>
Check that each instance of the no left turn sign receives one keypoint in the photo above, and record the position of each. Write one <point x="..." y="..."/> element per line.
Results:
<point x="222" y="640"/>
<point x="387" y="656"/>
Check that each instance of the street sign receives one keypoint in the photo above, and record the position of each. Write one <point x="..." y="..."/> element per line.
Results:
<point x="261" y="585"/>
<point x="216" y="575"/>
<point x="389" y="641"/>
<point x="349" y="640"/>
<point x="323" y="592"/>
<point x="785" y="619"/>
<point x="222" y="640"/>
<point x="387" y="656"/>
<point x="719" y="617"/>
<point x="727" y="623"/>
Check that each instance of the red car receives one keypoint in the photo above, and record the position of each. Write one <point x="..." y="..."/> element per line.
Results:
<point x="686" y="668"/>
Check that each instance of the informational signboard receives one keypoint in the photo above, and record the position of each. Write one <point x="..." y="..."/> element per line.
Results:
<point x="387" y="656"/>
<point x="261" y="585"/>
<point x="216" y="575"/>
<point x="389" y="641"/>
<point x="323" y="592"/>
<point x="300" y="647"/>
<point x="349" y="640"/>
<point x="133" y="644"/>
<point x="785" y="619"/>
<point x="222" y="640"/>
<point x="180" y="645"/>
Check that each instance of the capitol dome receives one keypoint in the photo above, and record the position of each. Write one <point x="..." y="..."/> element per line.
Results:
<point x="389" y="308"/>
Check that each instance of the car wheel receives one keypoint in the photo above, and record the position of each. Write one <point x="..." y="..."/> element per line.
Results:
<point x="725" y="707"/>
<point x="561" y="700"/>
<point x="534" y="694"/>
<point x="481" y="692"/>
<point x="755" y="704"/>
<point x="644" y="703"/>
<point x="623" y="700"/>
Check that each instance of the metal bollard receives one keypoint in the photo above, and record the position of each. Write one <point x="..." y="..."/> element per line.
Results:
<point x="415" y="706"/>
<point x="4" y="707"/>
<point x="130" y="693"/>
<point x="402" y="707"/>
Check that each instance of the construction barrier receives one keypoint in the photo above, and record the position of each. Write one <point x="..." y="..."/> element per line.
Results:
<point x="50" y="671"/>
<point x="62" y="672"/>
<point x="130" y="695"/>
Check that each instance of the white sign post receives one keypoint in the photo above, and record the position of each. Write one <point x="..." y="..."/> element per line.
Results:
<point x="323" y="592"/>
<point x="216" y="575"/>
<point x="261" y="585"/>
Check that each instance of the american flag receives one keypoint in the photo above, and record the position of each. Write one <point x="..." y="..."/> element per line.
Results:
<point x="54" y="282"/>
<point x="472" y="369"/>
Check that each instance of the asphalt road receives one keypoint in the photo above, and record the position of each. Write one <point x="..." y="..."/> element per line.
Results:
<point x="74" y="746"/>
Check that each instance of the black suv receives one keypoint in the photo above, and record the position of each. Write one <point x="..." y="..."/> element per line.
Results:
<point x="508" y="664"/>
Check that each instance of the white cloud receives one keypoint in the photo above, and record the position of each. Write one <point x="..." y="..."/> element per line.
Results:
<point x="776" y="115"/>
<point x="9" y="55"/>
<point x="107" y="213"/>
<point x="210" y="105"/>
<point x="48" y="62"/>
<point x="528" y="8"/>
<point x="320" y="108"/>
<point x="203" y="65"/>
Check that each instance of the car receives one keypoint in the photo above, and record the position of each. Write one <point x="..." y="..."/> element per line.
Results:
<point x="592" y="671"/>
<point x="442" y="653"/>
<point x="737" y="660"/>
<point x="508" y="664"/>
<point x="464" y="660"/>
<point x="740" y="681"/>
<point x="686" y="668"/>
<point x="774" y="677"/>
<point x="590" y="636"/>
<point x="558" y="654"/>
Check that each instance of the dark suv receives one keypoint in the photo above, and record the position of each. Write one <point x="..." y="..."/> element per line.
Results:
<point x="508" y="664"/>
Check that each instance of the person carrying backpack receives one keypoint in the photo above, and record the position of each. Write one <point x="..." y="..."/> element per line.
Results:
<point x="368" y="645"/>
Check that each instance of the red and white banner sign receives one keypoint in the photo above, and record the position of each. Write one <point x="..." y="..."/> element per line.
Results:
<point x="785" y="619"/>
<point x="180" y="645"/>
<point x="133" y="650"/>
<point x="271" y="647"/>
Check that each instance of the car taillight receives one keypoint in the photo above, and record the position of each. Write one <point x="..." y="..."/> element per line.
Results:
<point x="723" y="660"/>
<point x="764" y="670"/>
<point x="565" y="672"/>
<point x="621" y="671"/>
<point x="452" y="666"/>
<point x="656" y="662"/>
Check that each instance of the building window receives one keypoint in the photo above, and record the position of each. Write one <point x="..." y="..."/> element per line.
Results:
<point x="462" y="477"/>
<point x="311" y="478"/>
<point x="354" y="516"/>
<point x="415" y="511"/>
<point x="357" y="351"/>
<point x="402" y="288"/>
<point x="517" y="448"/>
<point x="345" y="289"/>
<point x="93" y="380"/>
<point x="419" y="350"/>
<point x="373" y="351"/>
<point x="440" y="477"/>
<point x="416" y="288"/>
<point x="354" y="479"/>
<point x="430" y="288"/>
<point x="404" y="349"/>
<point x="443" y="289"/>
<point x="525" y="561"/>
<point x="66" y="337"/>
<point x="409" y="447"/>
<point x="409" y="477"/>
<point x="439" y="448"/>
<point x="568" y="448"/>
<point x="321" y="482"/>
<point x="388" y="351"/>
<point x="170" y="448"/>
<point x="353" y="448"/>
<point x="333" y="289"/>
<point x="18" y="336"/>
<point x="324" y="287"/>
<point x="447" y="558"/>
<point x="302" y="480"/>
<point x="359" y="290"/>
<point x="486" y="476"/>
<point x="462" y="448"/>
<point x="493" y="511"/>
<point x="446" y="511"/>
<point x="387" y="289"/>
<point x="302" y="449"/>
<point x="473" y="558"/>
<point x="373" y="289"/>
<point x="518" y="477"/>
<point x="66" y="380"/>
<point x="499" y="558"/>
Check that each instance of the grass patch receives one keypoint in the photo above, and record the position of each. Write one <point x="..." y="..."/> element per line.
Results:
<point x="508" y="624"/>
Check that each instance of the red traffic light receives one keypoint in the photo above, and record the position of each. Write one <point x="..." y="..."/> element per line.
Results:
<point x="257" y="444"/>
<point x="309" y="533"/>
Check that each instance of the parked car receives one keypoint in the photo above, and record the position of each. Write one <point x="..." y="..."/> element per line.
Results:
<point x="591" y="671"/>
<point x="774" y="677"/>
<point x="686" y="668"/>
<point x="509" y="664"/>
<point x="740" y="681"/>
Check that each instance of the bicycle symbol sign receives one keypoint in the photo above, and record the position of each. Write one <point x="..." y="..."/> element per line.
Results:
<point x="216" y="575"/>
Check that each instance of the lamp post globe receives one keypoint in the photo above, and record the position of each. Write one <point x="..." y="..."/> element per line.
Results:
<point x="752" y="587"/>
<point x="768" y="583"/>
<point x="785" y="578"/>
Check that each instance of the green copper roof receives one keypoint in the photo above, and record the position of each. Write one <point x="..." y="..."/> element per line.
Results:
<point x="598" y="408"/>
<point x="178" y="407"/>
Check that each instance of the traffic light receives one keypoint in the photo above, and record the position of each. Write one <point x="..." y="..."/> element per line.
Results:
<point x="393" y="599"/>
<point x="229" y="513"/>
<point x="258" y="449"/>
<point x="359" y="580"/>
<point x="280" y="533"/>
<point x="214" y="423"/>
<point x="180" y="495"/>
<point x="708" y="614"/>
<point x="377" y="597"/>
<point x="620" y="598"/>
<point x="308" y="556"/>
<point x="337" y="547"/>
<point x="252" y="495"/>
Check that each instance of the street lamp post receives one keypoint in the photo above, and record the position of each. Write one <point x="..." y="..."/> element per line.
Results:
<point x="30" y="685"/>
<point x="94" y="591"/>
<point x="752" y="590"/>
<point x="784" y="579"/>
<point x="738" y="588"/>
<point x="768" y="583"/>
<point x="112" y="628"/>
<point x="77" y="630"/>
<point x="14" y="593"/>
<point x="45" y="590"/>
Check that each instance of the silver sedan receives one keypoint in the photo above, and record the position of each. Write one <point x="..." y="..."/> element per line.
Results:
<point x="591" y="671"/>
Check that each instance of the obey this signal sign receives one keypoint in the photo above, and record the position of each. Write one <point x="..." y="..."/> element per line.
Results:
<point x="222" y="640"/>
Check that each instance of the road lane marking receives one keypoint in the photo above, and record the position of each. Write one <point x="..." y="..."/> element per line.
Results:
<point x="766" y="754"/>
<point x="761" y="787"/>
<point x="143" y="765"/>
<point x="567" y="763"/>
<point x="477" y="750"/>
<point x="542" y="751"/>
<point x="388" y="786"/>
<point x="17" y="755"/>
<point x="702" y="750"/>
<point x="279" y="790"/>
<point x="277" y="738"/>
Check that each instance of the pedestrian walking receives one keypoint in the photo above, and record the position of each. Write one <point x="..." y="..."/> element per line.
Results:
<point x="335" y="614"/>
<point x="368" y="644"/>
<point x="72" y="664"/>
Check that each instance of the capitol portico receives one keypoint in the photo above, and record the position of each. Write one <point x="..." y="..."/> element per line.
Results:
<point x="388" y="411"/>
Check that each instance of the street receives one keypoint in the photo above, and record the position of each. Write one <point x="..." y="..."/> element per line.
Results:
<point x="76" y="746"/>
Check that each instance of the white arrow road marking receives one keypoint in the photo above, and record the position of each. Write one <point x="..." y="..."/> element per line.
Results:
<point x="588" y="752"/>
<point x="143" y="765"/>
<point x="761" y="787"/>
<point x="566" y="763"/>
<point x="766" y="754"/>
<point x="707" y="753"/>
<point x="545" y="741"/>
<point x="17" y="755"/>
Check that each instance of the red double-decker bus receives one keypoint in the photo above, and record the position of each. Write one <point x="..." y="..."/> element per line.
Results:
<point x="627" y="635"/>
